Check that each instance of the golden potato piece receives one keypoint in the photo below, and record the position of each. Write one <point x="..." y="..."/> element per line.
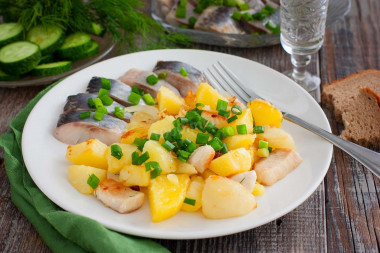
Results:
<point x="90" y="153"/>
<point x="264" y="113"/>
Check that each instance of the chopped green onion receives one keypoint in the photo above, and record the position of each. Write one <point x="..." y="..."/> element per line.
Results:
<point x="202" y="138"/>
<point x="181" y="12"/>
<point x="236" y="15"/>
<point x="269" y="9"/>
<point x="152" y="79"/>
<point x="258" y="130"/>
<point x="193" y="116"/>
<point x="224" y="113"/>
<point x="106" y="83"/>
<point x="98" y="115"/>
<point x="155" y="137"/>
<point x="175" y="133"/>
<point x="244" y="6"/>
<point x="135" y="157"/>
<point x="211" y="128"/>
<point x="189" y="201"/>
<point x="270" y="25"/>
<point x="216" y="144"/>
<point x="177" y="124"/>
<point x="247" y="16"/>
<point x="134" y="98"/>
<point x="91" y="103"/>
<point x="98" y="103"/>
<point x="162" y="75"/>
<point x="227" y="131"/>
<point x="259" y="16"/>
<point x="168" y="145"/>
<point x="191" y="147"/>
<point x="181" y="144"/>
<point x="230" y="3"/>
<point x="154" y="168"/>
<point x="183" y="26"/>
<point x="183" y="3"/>
<point x="119" y="112"/>
<point x="192" y="21"/>
<point x="93" y="181"/>
<point x="85" y="115"/>
<point x="201" y="124"/>
<point x="183" y="72"/>
<point x="199" y="105"/>
<point x="183" y="120"/>
<point x="187" y="142"/>
<point x="270" y="149"/>
<point x="183" y="153"/>
<point x="221" y="105"/>
<point x="276" y="30"/>
<point x="167" y="136"/>
<point x="149" y="100"/>
<point x="235" y="109"/>
<point x="263" y="144"/>
<point x="142" y="158"/>
<point x="140" y="142"/>
<point x="137" y="90"/>
<point x="102" y="110"/>
<point x="224" y="149"/>
<point x="241" y="129"/>
<point x="182" y="159"/>
<point x="233" y="118"/>
<point x="106" y="100"/>
<point x="102" y="92"/>
<point x="116" y="151"/>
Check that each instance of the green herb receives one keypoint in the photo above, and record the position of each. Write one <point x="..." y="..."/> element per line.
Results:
<point x="258" y="130"/>
<point x="134" y="98"/>
<point x="137" y="90"/>
<point x="236" y="15"/>
<point x="154" y="168"/>
<point x="85" y="115"/>
<point x="216" y="144"/>
<point x="224" y="149"/>
<point x="189" y="201"/>
<point x="192" y="21"/>
<point x="106" y="83"/>
<point x="235" y="109"/>
<point x="149" y="100"/>
<point x="162" y="75"/>
<point x="93" y="181"/>
<point x="152" y="79"/>
<point x="224" y="113"/>
<point x="106" y="100"/>
<point x="168" y="145"/>
<point x="155" y="137"/>
<point x="233" y="118"/>
<point x="140" y="142"/>
<point x="263" y="144"/>
<point x="98" y="115"/>
<point x="241" y="129"/>
<point x="138" y="160"/>
<point x="91" y="103"/>
<point x="116" y="151"/>
<point x="183" y="72"/>
<point x="102" y="92"/>
<point x="119" y="112"/>
<point x="221" y="105"/>
<point x="202" y="138"/>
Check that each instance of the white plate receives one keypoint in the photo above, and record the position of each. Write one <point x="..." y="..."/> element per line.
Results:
<point x="44" y="156"/>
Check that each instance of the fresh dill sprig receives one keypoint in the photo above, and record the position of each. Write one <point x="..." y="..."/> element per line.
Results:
<point x="124" y="19"/>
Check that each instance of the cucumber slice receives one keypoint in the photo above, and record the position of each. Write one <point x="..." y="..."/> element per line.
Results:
<point x="47" y="58"/>
<point x="49" y="38"/>
<point x="10" y="32"/>
<point x="97" y="29"/>
<point x="50" y="69"/>
<point x="5" y="77"/>
<point x="19" y="57"/>
<point x="74" y="44"/>
<point x="92" y="51"/>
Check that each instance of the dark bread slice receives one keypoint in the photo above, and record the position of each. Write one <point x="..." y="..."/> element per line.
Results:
<point x="361" y="119"/>
<point x="338" y="95"/>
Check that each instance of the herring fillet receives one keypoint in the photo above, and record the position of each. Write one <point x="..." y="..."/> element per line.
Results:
<point x="73" y="130"/>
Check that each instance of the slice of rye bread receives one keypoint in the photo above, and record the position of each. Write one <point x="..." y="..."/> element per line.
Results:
<point x="338" y="95"/>
<point x="361" y="119"/>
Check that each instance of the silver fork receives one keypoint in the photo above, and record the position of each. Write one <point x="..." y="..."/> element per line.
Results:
<point x="221" y="78"/>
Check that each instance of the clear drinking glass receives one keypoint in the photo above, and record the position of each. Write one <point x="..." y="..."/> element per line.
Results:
<point x="303" y="25"/>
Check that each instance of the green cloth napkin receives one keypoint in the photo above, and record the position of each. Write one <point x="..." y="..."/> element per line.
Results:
<point x="62" y="231"/>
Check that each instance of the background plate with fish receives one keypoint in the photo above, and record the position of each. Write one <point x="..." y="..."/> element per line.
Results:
<point x="44" y="155"/>
<point x="337" y="10"/>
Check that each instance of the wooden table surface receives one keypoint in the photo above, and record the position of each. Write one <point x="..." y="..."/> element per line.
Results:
<point x="342" y="215"/>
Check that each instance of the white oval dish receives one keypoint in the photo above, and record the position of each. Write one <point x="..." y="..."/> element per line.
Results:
<point x="44" y="156"/>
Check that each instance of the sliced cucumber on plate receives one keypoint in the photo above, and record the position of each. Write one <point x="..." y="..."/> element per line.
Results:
<point x="51" y="69"/>
<point x="10" y="32"/>
<point x="19" y="57"/>
<point x="49" y="38"/>
<point x="74" y="44"/>
<point x="6" y="77"/>
<point x="92" y="51"/>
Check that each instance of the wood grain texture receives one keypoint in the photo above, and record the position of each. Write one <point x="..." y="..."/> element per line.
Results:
<point x="342" y="215"/>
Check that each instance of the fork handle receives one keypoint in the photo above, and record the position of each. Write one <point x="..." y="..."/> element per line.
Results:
<point x="367" y="157"/>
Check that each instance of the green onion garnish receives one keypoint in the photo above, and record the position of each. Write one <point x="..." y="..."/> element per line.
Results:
<point x="258" y="130"/>
<point x="244" y="7"/>
<point x="224" y="149"/>
<point x="201" y="124"/>
<point x="183" y="120"/>
<point x="183" y="153"/>
<point x="227" y="131"/>
<point x="102" y="110"/>
<point x="98" y="103"/>
<point x="241" y="129"/>
<point x="247" y="16"/>
<point x="85" y="115"/>
<point x="224" y="113"/>
<point x="192" y="21"/>
<point x="270" y="25"/>
<point x="106" y="100"/>
<point x="142" y="158"/>
<point x="116" y="151"/>
<point x="221" y="105"/>
<point x="263" y="144"/>
<point x="183" y="72"/>
<point x="211" y="128"/>
<point x="98" y="115"/>
<point x="167" y="136"/>
<point x="177" y="124"/>
<point x="119" y="112"/>
<point x="236" y="15"/>
<point x="155" y="137"/>
<point x="137" y="90"/>
<point x="202" y="138"/>
<point x="93" y="181"/>
<point x="149" y="100"/>
<point x="230" y="3"/>
<point x="269" y="9"/>
<point x="216" y="144"/>
<point x="106" y="83"/>
<point x="140" y="142"/>
<point x="168" y="145"/>
<point x="270" y="149"/>
<point x="134" y="98"/>
<point x="91" y="103"/>
<point x="233" y="118"/>
<point x="193" y="116"/>
<point x="189" y="201"/>
<point x="154" y="168"/>
<point x="102" y="92"/>
<point x="135" y="157"/>
<point x="152" y="79"/>
<point x="191" y="147"/>
<point x="259" y="16"/>
<point x="199" y="105"/>
<point x="182" y="159"/>
<point x="175" y="133"/>
<point x="162" y="75"/>
<point x="181" y="12"/>
<point x="235" y="109"/>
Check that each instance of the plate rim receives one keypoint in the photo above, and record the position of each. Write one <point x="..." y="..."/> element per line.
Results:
<point x="199" y="235"/>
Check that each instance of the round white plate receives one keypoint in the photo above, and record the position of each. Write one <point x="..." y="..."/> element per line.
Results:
<point x="44" y="156"/>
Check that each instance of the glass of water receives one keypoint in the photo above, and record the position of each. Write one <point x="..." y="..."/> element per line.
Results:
<point x="303" y="25"/>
